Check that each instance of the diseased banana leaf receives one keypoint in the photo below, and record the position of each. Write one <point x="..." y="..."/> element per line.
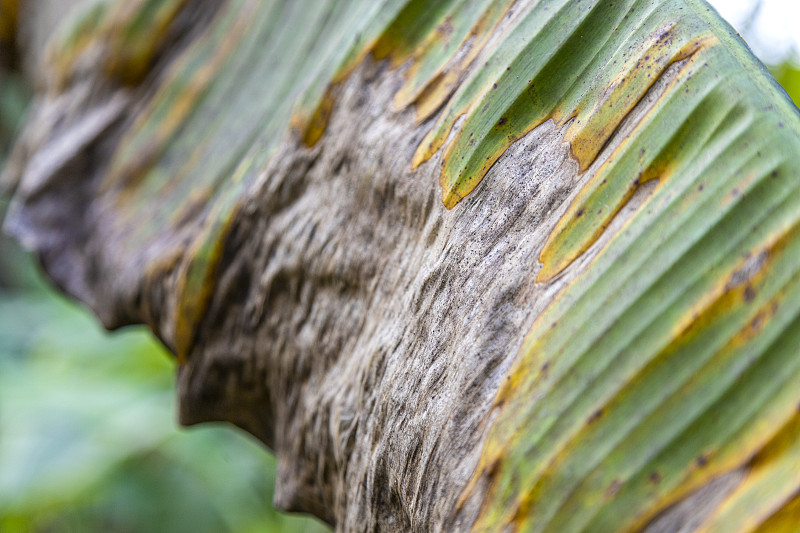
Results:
<point x="671" y="359"/>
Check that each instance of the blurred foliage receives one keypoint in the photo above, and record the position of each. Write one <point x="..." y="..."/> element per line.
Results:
<point x="788" y="75"/>
<point x="13" y="101"/>
<point x="88" y="439"/>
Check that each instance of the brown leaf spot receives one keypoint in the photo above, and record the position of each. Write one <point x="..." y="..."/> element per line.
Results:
<point x="545" y="367"/>
<point x="493" y="468"/>
<point x="613" y="488"/>
<point x="595" y="416"/>
<point x="749" y="293"/>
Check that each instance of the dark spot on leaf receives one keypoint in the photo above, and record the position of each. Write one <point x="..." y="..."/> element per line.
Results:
<point x="749" y="293"/>
<point x="655" y="478"/>
<point x="502" y="121"/>
<point x="613" y="488"/>
<point x="595" y="416"/>
<point x="702" y="460"/>
<point x="493" y="467"/>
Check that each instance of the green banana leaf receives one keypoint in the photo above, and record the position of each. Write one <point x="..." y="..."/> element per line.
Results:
<point x="672" y="359"/>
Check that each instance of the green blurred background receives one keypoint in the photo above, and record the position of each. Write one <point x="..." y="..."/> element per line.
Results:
<point x="88" y="437"/>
